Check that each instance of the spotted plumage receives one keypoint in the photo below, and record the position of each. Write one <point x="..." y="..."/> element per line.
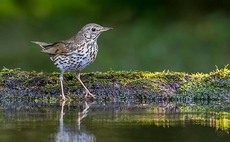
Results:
<point x="76" y="53"/>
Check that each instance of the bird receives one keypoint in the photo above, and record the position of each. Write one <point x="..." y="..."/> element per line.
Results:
<point x="75" y="53"/>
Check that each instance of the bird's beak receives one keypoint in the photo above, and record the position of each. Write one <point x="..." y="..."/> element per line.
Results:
<point x="105" y="29"/>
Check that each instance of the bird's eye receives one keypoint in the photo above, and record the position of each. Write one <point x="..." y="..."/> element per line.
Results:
<point x="93" y="29"/>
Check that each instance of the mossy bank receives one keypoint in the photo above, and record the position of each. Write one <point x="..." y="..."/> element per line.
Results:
<point x="117" y="85"/>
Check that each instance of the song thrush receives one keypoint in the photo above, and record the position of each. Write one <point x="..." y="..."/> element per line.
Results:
<point x="75" y="53"/>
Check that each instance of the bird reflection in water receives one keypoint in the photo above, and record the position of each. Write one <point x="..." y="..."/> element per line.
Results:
<point x="66" y="135"/>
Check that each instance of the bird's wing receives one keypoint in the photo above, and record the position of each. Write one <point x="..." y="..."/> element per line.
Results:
<point x="57" y="47"/>
<point x="62" y="47"/>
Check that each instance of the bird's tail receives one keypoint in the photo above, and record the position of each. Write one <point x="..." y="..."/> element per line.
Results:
<point x="42" y="44"/>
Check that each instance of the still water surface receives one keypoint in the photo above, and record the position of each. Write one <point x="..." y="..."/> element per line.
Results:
<point x="113" y="122"/>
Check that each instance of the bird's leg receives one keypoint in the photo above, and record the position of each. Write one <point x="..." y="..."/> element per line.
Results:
<point x="87" y="91"/>
<point x="61" y="82"/>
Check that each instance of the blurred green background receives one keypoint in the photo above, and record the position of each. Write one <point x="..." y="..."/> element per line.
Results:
<point x="152" y="35"/>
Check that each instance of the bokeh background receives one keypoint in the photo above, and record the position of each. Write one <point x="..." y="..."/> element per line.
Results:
<point x="152" y="35"/>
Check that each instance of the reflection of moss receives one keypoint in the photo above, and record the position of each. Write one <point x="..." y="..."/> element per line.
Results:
<point x="120" y="84"/>
<point x="168" y="116"/>
<point x="217" y="120"/>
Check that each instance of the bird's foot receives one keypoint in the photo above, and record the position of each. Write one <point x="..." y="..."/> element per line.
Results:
<point x="90" y="94"/>
<point x="63" y="98"/>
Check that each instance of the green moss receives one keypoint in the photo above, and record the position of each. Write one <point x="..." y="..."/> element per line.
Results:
<point x="121" y="84"/>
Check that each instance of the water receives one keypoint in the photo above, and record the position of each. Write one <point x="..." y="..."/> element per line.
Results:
<point x="114" y="122"/>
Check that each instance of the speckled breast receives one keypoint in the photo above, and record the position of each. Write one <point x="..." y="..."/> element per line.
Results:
<point x="78" y="59"/>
